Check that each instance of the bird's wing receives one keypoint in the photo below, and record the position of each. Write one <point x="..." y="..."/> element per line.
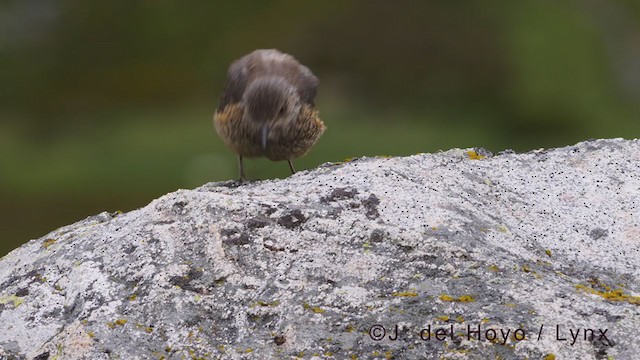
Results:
<point x="307" y="85"/>
<point x="237" y="79"/>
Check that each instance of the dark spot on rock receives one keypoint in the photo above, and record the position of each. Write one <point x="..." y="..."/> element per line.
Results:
<point x="228" y="232"/>
<point x="195" y="273"/>
<point x="334" y="212"/>
<point x="279" y="340"/>
<point x="268" y="209"/>
<point x="235" y="237"/>
<point x="53" y="313"/>
<point x="598" y="233"/>
<point x="377" y="236"/>
<point x="257" y="222"/>
<point x="193" y="320"/>
<point x="178" y="207"/>
<point x="405" y="248"/>
<point x="33" y="274"/>
<point x="133" y="282"/>
<point x="292" y="220"/>
<point x="43" y="356"/>
<point x="339" y="194"/>
<point x="273" y="248"/>
<point x="185" y="282"/>
<point x="354" y="205"/>
<point x="219" y="281"/>
<point x="371" y="205"/>
<point x="601" y="344"/>
<point x="129" y="249"/>
<point x="72" y="311"/>
<point x="241" y="239"/>
<point x="22" y="292"/>
<point x="231" y="184"/>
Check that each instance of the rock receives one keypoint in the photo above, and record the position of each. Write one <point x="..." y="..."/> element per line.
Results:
<point x="523" y="249"/>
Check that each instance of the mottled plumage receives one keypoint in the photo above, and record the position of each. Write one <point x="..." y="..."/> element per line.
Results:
<point x="267" y="108"/>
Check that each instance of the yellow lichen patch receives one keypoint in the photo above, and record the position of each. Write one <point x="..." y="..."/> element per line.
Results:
<point x="463" y="298"/>
<point x="548" y="252"/>
<point x="16" y="300"/>
<point x="511" y="305"/>
<point x="611" y="295"/>
<point x="543" y="263"/>
<point x="119" y="322"/>
<point x="460" y="318"/>
<point x="466" y="298"/>
<point x="350" y="328"/>
<point x="484" y="320"/>
<point x="91" y="334"/>
<point x="494" y="268"/>
<point x="317" y="309"/>
<point x="405" y="294"/>
<point x="133" y="297"/>
<point x="549" y="357"/>
<point x="503" y="229"/>
<point x="48" y="242"/>
<point x="353" y="357"/>
<point x="474" y="155"/>
<point x="597" y="284"/>
<point x="444" y="318"/>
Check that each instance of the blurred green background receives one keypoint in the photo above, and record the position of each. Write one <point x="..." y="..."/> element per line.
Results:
<point x="108" y="105"/>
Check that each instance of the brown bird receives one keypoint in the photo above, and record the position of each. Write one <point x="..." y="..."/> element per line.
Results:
<point x="267" y="109"/>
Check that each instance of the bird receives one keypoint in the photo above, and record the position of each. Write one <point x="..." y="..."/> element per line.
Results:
<point x="267" y="108"/>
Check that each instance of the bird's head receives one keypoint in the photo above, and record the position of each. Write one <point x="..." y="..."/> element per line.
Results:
<point x="270" y="102"/>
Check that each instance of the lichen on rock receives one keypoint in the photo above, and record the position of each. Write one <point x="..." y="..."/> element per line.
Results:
<point x="332" y="262"/>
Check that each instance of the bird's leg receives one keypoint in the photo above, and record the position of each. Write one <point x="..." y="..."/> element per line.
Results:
<point x="293" y="171"/>
<point x="241" y="168"/>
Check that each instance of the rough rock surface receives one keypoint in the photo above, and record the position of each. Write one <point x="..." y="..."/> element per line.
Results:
<point x="528" y="247"/>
